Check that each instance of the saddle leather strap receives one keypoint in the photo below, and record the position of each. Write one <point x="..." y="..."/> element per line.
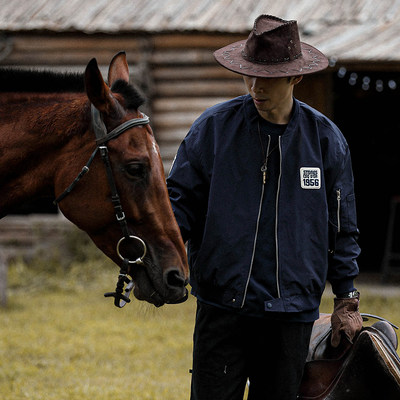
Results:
<point x="367" y="316"/>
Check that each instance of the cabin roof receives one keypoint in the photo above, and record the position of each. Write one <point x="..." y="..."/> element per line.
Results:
<point x="356" y="30"/>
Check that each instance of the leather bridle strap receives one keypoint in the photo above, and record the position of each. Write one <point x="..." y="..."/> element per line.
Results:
<point x="121" y="295"/>
<point x="81" y="174"/>
<point x="100" y="130"/>
<point x="122" y="128"/>
<point x="115" y="199"/>
<point x="103" y="137"/>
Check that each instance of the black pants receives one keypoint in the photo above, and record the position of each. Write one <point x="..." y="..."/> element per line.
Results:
<point x="230" y="348"/>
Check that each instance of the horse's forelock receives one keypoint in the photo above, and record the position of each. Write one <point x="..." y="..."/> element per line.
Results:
<point x="133" y="99"/>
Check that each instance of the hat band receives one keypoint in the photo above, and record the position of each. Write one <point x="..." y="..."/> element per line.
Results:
<point x="272" y="60"/>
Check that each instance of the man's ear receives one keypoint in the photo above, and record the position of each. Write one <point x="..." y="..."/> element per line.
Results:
<point x="296" y="79"/>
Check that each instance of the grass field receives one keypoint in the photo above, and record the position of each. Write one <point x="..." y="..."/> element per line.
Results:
<point x="61" y="339"/>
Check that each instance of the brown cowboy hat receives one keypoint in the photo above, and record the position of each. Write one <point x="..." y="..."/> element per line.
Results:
<point x="272" y="50"/>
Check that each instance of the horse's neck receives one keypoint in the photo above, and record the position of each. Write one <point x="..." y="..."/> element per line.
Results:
<point x="35" y="130"/>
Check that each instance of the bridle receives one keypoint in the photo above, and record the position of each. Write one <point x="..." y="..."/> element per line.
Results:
<point x="102" y="137"/>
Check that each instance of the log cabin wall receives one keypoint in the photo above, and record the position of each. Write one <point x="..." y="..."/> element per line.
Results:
<point x="186" y="81"/>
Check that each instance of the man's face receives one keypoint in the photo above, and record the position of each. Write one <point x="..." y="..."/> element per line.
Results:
<point x="272" y="96"/>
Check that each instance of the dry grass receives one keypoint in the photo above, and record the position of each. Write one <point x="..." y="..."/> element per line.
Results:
<point x="61" y="339"/>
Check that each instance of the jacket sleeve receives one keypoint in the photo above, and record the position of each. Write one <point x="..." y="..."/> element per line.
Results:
<point x="344" y="250"/>
<point x="187" y="188"/>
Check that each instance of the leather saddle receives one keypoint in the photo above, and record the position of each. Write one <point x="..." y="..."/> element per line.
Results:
<point x="365" y="370"/>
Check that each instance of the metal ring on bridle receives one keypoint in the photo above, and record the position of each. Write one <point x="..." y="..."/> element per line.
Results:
<point x="139" y="260"/>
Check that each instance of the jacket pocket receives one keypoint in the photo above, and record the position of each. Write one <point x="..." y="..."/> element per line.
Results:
<point x="349" y="217"/>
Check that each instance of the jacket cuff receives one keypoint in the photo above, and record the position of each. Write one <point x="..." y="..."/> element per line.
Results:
<point x="343" y="286"/>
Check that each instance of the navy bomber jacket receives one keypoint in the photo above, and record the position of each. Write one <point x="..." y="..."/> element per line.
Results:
<point x="216" y="191"/>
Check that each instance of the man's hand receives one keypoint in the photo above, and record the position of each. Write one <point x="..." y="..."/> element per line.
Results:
<point x="345" y="320"/>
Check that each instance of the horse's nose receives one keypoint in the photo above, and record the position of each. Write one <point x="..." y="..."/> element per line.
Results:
<point x="174" y="279"/>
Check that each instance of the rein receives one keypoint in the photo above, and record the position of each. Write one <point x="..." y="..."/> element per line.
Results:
<point x="121" y="295"/>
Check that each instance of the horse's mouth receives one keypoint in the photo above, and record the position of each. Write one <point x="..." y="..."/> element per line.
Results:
<point x="159" y="291"/>
<point x="157" y="300"/>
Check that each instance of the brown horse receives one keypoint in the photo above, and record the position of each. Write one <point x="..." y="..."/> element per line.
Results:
<point x="47" y="132"/>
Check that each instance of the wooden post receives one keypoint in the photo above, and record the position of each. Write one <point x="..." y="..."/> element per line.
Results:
<point x="3" y="279"/>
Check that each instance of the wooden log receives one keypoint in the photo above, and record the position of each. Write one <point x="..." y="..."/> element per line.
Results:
<point x="170" y="135"/>
<point x="176" y="119"/>
<point x="73" y="49"/>
<point x="193" y="72"/>
<point x="71" y="43"/>
<point x="197" y="104"/>
<point x="196" y="40"/>
<point x="231" y="88"/>
<point x="61" y="57"/>
<point x="180" y="56"/>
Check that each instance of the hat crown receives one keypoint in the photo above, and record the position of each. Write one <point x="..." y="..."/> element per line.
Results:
<point x="272" y="40"/>
<point x="272" y="50"/>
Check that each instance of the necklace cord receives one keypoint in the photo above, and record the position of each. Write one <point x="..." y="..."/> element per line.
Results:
<point x="265" y="154"/>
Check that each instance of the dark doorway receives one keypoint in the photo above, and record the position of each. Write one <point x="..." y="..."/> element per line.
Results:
<point x="367" y="110"/>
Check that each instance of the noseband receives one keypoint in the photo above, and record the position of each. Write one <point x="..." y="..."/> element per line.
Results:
<point x="102" y="137"/>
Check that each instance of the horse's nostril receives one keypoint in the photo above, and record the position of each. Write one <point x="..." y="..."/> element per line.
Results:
<point x="174" y="279"/>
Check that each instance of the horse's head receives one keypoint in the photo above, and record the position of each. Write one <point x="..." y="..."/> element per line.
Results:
<point x="145" y="219"/>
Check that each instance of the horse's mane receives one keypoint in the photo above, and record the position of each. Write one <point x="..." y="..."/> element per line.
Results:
<point x="20" y="80"/>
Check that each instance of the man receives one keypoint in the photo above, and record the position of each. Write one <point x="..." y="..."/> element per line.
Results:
<point x="262" y="189"/>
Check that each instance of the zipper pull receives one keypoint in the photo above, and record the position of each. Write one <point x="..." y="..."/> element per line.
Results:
<point x="264" y="172"/>
<point x="338" y="197"/>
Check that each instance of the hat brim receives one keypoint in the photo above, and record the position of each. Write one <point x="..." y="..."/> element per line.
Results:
<point x="311" y="61"/>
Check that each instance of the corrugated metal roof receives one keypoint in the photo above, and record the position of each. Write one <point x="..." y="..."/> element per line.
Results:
<point x="348" y="29"/>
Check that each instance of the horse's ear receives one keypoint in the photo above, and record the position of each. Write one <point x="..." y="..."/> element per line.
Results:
<point x="96" y="89"/>
<point x="118" y="69"/>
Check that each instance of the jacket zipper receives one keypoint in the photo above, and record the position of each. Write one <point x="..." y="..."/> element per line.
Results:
<point x="264" y="172"/>
<point x="338" y="198"/>
<point x="278" y="290"/>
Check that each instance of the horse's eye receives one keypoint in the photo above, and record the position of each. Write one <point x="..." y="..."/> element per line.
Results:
<point x="135" y="171"/>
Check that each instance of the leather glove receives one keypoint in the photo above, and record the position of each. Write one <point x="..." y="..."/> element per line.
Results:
<point x="346" y="320"/>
